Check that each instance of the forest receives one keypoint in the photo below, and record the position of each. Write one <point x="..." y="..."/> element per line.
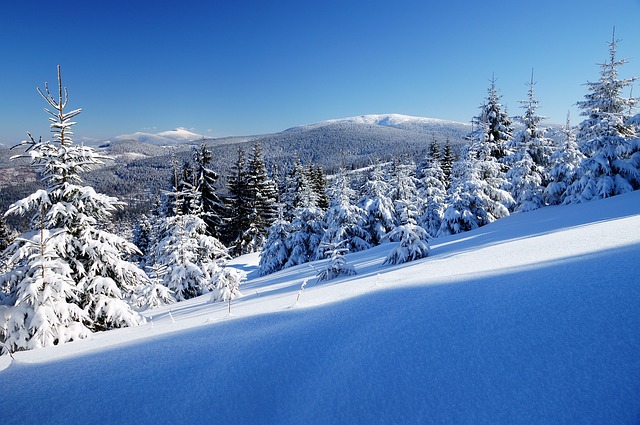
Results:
<point x="76" y="259"/>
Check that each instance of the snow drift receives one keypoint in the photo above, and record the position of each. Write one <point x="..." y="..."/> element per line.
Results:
<point x="531" y="319"/>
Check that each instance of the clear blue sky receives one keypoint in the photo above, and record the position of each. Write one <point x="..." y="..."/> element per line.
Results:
<point x="238" y="67"/>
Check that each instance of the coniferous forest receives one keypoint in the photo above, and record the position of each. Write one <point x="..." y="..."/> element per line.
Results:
<point x="76" y="259"/>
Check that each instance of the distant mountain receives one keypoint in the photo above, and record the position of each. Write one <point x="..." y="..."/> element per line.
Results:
<point x="179" y="135"/>
<point x="402" y="122"/>
<point x="142" y="162"/>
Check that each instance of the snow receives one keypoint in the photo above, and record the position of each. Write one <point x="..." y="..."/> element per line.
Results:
<point x="388" y="120"/>
<point x="531" y="319"/>
<point x="179" y="135"/>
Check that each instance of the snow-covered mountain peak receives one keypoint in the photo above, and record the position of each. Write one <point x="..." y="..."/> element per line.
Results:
<point x="179" y="135"/>
<point x="398" y="121"/>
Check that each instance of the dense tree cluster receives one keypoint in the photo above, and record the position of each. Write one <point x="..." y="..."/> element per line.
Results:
<point x="69" y="275"/>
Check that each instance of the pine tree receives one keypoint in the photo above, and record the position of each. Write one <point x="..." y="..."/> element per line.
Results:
<point x="531" y="158"/>
<point x="380" y="214"/>
<point x="307" y="224"/>
<point x="275" y="252"/>
<point x="5" y="237"/>
<point x="432" y="192"/>
<point x="606" y="137"/>
<point x="412" y="238"/>
<point x="261" y="197"/>
<point x="213" y="210"/>
<point x="475" y="197"/>
<point x="337" y="265"/>
<point x="447" y="163"/>
<point x="344" y="220"/>
<point x="495" y="125"/>
<point x="565" y="162"/>
<point x="237" y="206"/>
<point x="76" y="261"/>
<point x="143" y="239"/>
<point x="194" y="261"/>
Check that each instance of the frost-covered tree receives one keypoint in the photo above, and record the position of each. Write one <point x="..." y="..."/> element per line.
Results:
<point x="494" y="125"/>
<point x="412" y="238"/>
<point x="261" y="197"/>
<point x="379" y="211"/>
<point x="337" y="265"/>
<point x="606" y="137"/>
<point x="344" y="220"/>
<point x="275" y="253"/>
<point x="143" y="236"/>
<point x="530" y="159"/>
<point x="463" y="210"/>
<point x="213" y="209"/>
<point x="237" y="205"/>
<point x="44" y="306"/>
<point x="307" y="227"/>
<point x="77" y="262"/>
<point x="448" y="159"/>
<point x="475" y="197"/>
<point x="565" y="161"/>
<point x="194" y="261"/>
<point x="155" y="294"/>
<point x="432" y="192"/>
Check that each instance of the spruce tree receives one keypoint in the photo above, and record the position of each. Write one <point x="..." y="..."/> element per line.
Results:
<point x="530" y="159"/>
<point x="261" y="197"/>
<point x="344" y="220"/>
<point x="607" y="137"/>
<point x="237" y="205"/>
<point x="431" y="189"/>
<point x="213" y="210"/>
<point x="497" y="127"/>
<point x="193" y="262"/>
<point x="447" y="163"/>
<point x="275" y="252"/>
<point x="565" y="162"/>
<point x="380" y="214"/>
<point x="79" y="266"/>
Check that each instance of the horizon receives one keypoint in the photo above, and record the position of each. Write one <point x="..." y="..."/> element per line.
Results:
<point x="248" y="68"/>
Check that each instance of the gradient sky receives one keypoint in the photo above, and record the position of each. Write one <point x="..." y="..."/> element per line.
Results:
<point x="249" y="67"/>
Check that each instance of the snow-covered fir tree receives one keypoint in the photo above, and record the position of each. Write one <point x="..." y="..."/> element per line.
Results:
<point x="43" y="302"/>
<point x="476" y="196"/>
<point x="194" y="261"/>
<point x="156" y="294"/>
<point x="213" y="209"/>
<point x="448" y="158"/>
<point x="607" y="137"/>
<point x="77" y="263"/>
<point x="530" y="159"/>
<point x="565" y="161"/>
<point x="143" y="236"/>
<point x="495" y="125"/>
<point x="307" y="224"/>
<point x="413" y="239"/>
<point x="237" y="205"/>
<point x="337" y="265"/>
<point x="261" y="196"/>
<point x="379" y="211"/>
<point x="431" y="191"/>
<point x="463" y="210"/>
<point x="276" y="251"/>
<point x="344" y="220"/>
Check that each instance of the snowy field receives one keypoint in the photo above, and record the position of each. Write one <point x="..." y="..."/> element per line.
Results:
<point x="532" y="319"/>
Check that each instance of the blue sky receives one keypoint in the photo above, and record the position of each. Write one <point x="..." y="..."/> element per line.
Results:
<point x="249" y="67"/>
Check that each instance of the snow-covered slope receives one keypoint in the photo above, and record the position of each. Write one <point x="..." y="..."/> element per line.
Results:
<point x="532" y="319"/>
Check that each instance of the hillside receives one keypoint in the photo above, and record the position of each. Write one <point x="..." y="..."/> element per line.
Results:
<point x="143" y="161"/>
<point x="532" y="319"/>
